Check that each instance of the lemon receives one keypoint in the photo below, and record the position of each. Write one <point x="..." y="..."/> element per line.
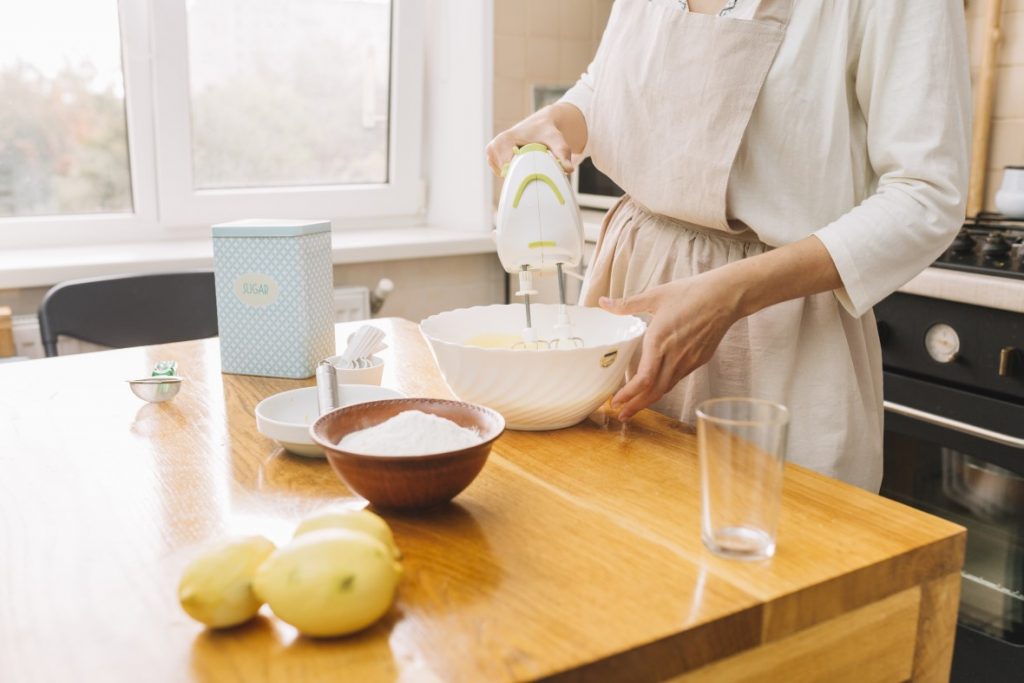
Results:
<point x="329" y="582"/>
<point x="216" y="587"/>
<point x="353" y="520"/>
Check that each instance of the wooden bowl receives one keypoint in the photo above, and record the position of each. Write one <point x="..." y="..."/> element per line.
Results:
<point x="407" y="482"/>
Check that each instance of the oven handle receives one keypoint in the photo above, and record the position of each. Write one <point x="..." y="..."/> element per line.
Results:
<point x="955" y="425"/>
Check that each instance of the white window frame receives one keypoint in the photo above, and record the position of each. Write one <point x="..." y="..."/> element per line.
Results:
<point x="181" y="205"/>
<point x="157" y="109"/>
<point x="141" y="223"/>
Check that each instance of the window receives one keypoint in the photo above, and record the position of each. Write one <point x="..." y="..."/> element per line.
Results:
<point x="148" y="119"/>
<point x="63" y="137"/>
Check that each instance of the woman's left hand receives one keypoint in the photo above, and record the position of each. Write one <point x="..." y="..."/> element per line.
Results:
<point x="690" y="317"/>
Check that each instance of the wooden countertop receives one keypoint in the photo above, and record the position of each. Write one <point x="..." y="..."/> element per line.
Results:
<point x="575" y="554"/>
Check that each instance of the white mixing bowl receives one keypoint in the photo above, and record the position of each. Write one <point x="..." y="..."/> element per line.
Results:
<point x="533" y="390"/>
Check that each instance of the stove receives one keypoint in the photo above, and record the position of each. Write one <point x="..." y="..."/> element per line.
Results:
<point x="954" y="435"/>
<point x="989" y="244"/>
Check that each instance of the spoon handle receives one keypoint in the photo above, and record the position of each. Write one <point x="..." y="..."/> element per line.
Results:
<point x="326" y="387"/>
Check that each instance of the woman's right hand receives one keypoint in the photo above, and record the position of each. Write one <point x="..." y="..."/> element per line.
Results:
<point x="546" y="126"/>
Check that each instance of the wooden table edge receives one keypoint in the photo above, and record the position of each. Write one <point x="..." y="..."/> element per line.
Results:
<point x="915" y="567"/>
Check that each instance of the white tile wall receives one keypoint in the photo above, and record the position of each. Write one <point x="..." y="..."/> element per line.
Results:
<point x="544" y="42"/>
<point x="1007" y="144"/>
<point x="427" y="286"/>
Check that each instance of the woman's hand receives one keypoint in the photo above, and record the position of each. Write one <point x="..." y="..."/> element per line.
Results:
<point x="560" y="127"/>
<point x="689" y="319"/>
<point x="691" y="316"/>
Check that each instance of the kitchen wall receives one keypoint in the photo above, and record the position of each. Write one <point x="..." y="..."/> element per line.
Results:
<point x="543" y="42"/>
<point x="1007" y="147"/>
<point x="551" y="42"/>
<point x="427" y="286"/>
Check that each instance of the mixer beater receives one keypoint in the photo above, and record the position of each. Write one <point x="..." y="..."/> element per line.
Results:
<point x="530" y="340"/>
<point x="563" y="328"/>
<point x="565" y="335"/>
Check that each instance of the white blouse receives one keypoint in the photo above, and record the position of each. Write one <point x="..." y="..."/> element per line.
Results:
<point x="860" y="136"/>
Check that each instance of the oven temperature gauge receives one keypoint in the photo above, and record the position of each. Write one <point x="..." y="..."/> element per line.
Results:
<point x="942" y="343"/>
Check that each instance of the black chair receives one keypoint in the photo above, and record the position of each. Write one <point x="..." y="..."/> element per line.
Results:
<point x="132" y="310"/>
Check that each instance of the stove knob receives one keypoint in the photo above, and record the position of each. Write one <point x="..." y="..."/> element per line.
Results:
<point x="995" y="246"/>
<point x="1007" y="361"/>
<point x="963" y="244"/>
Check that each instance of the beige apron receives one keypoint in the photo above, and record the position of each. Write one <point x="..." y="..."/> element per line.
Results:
<point x="670" y="109"/>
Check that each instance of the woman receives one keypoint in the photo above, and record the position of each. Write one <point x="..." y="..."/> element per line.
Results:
<point x="787" y="164"/>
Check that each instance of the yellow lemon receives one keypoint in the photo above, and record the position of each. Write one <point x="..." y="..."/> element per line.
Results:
<point x="353" y="520"/>
<point x="329" y="582"/>
<point x="216" y="587"/>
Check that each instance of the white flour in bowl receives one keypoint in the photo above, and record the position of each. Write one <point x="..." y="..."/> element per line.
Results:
<point x="412" y="432"/>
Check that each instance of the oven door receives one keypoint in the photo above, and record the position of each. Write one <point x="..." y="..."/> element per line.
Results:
<point x="960" y="456"/>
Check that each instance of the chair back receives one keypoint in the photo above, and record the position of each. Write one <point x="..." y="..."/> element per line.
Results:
<point x="132" y="310"/>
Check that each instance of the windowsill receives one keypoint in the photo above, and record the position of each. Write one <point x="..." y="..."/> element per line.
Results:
<point x="47" y="266"/>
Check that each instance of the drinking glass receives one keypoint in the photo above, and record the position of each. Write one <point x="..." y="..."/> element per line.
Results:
<point x="742" y="445"/>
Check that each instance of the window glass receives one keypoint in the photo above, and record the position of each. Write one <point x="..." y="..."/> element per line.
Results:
<point x="63" y="136"/>
<point x="289" y="93"/>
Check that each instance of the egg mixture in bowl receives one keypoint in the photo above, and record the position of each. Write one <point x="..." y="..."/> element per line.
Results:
<point x="533" y="389"/>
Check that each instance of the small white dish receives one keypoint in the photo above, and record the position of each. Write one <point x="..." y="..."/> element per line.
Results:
<point x="1010" y="204"/>
<point x="370" y="375"/>
<point x="287" y="416"/>
<point x="1010" y="197"/>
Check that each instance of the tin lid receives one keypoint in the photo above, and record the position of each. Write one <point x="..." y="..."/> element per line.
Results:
<point x="270" y="227"/>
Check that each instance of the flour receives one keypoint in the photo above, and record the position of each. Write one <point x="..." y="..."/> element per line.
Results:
<point x="410" y="433"/>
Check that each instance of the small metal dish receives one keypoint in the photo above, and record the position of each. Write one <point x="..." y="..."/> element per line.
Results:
<point x="156" y="389"/>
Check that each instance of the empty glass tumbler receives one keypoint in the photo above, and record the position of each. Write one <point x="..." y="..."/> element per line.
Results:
<point x="742" y="445"/>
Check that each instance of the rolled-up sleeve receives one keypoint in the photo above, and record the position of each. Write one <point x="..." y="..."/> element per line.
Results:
<point x="581" y="95"/>
<point x="913" y="86"/>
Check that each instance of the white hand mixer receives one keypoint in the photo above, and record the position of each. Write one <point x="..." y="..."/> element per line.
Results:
<point x="539" y="229"/>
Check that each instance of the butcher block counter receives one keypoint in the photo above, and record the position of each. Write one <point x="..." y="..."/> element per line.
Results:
<point x="575" y="555"/>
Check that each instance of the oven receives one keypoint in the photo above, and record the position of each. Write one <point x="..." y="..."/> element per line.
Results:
<point x="954" y="447"/>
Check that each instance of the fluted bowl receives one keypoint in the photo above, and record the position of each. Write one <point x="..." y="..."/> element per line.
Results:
<point x="534" y="390"/>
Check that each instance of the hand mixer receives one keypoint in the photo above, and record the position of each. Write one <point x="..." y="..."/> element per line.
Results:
<point x="539" y="229"/>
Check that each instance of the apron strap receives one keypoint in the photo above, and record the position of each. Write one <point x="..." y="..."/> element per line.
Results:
<point x="774" y="11"/>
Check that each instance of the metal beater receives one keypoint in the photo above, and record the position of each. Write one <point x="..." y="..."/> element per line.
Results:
<point x="563" y="328"/>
